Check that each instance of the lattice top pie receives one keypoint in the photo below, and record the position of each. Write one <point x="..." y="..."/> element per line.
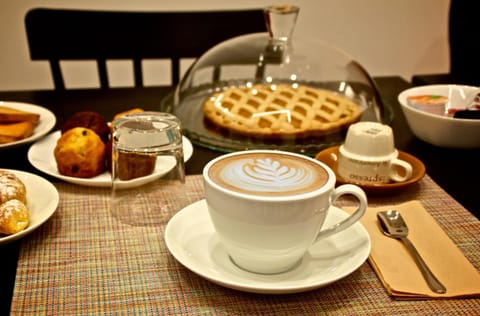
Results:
<point x="279" y="111"/>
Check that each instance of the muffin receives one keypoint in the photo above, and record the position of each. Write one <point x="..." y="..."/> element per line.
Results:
<point x="91" y="120"/>
<point x="131" y="165"/>
<point x="135" y="165"/>
<point x="80" y="152"/>
<point x="109" y="143"/>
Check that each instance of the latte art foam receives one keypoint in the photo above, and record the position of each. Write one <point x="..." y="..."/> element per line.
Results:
<point x="272" y="174"/>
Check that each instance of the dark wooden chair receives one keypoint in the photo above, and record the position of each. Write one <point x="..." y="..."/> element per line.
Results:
<point x="61" y="34"/>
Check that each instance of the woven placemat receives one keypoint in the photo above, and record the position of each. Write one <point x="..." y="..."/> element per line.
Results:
<point x="84" y="262"/>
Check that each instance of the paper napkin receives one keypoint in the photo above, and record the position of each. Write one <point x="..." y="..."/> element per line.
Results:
<point x="396" y="268"/>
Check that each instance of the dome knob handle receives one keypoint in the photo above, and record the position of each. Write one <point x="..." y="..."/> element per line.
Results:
<point x="281" y="21"/>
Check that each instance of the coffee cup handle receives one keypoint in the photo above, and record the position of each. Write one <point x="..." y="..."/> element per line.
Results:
<point x="400" y="164"/>
<point x="345" y="189"/>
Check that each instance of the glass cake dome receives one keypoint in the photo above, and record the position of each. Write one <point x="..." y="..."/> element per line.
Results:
<point x="274" y="90"/>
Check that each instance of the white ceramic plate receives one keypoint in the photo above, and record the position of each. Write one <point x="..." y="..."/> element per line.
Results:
<point x="46" y="123"/>
<point x="191" y="239"/>
<point x="42" y="202"/>
<point x="41" y="157"/>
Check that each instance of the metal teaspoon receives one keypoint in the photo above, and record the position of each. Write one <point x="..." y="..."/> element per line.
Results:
<point x="394" y="226"/>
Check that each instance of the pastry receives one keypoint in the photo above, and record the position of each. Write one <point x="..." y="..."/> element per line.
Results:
<point x="80" y="153"/>
<point x="12" y="132"/>
<point x="11" y="115"/>
<point x="131" y="165"/>
<point x="108" y="155"/>
<point x="134" y="110"/>
<point x="135" y="165"/>
<point x="11" y="188"/>
<point x="16" y="125"/>
<point x="14" y="217"/>
<point x="14" y="214"/>
<point x="280" y="111"/>
<point x="110" y="142"/>
<point x="434" y="104"/>
<point x="91" y="120"/>
<point x="427" y="99"/>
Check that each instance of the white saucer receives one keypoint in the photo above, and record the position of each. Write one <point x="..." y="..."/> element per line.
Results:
<point x="191" y="239"/>
<point x="41" y="157"/>
<point x="45" y="124"/>
<point x="42" y="202"/>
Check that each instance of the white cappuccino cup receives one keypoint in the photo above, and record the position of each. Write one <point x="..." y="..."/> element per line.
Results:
<point x="268" y="206"/>
<point x="368" y="156"/>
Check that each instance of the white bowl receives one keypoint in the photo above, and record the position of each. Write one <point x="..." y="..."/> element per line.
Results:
<point x="442" y="130"/>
